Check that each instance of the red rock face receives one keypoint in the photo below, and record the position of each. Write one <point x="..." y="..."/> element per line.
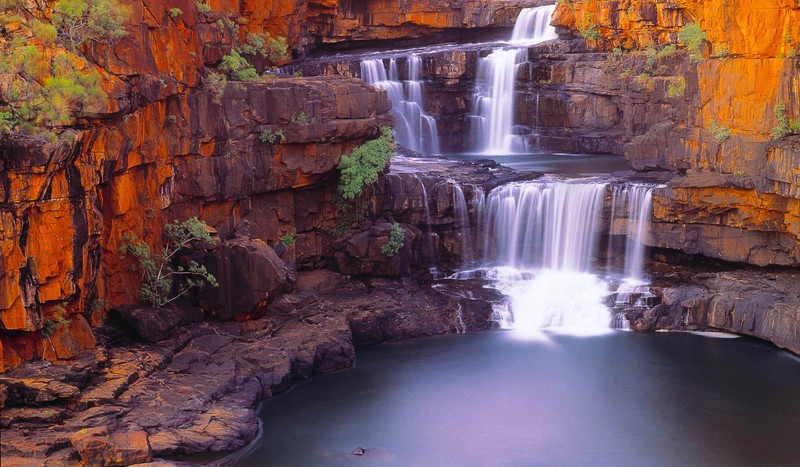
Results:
<point x="69" y="209"/>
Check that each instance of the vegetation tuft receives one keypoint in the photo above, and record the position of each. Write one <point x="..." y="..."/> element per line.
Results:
<point x="362" y="166"/>
<point x="162" y="280"/>
<point x="693" y="37"/>
<point x="396" y="241"/>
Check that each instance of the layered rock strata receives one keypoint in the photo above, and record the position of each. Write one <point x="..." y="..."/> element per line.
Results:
<point x="196" y="391"/>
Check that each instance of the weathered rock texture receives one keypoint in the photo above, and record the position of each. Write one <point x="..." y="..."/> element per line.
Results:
<point x="66" y="208"/>
<point x="764" y="304"/>
<point x="196" y="391"/>
<point x="739" y="199"/>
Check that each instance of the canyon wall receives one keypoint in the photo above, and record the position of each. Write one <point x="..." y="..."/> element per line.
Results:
<point x="711" y="116"/>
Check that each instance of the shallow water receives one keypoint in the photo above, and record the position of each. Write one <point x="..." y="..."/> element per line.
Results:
<point x="555" y="163"/>
<point x="493" y="399"/>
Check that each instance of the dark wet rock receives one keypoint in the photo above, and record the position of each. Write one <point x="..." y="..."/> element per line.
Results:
<point x="320" y="280"/>
<point x="759" y="303"/>
<point x="155" y="324"/>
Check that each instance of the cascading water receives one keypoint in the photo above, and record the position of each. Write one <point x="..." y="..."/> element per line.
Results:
<point x="413" y="128"/>
<point x="632" y="204"/>
<point x="461" y="212"/>
<point x="541" y="241"/>
<point x="493" y="101"/>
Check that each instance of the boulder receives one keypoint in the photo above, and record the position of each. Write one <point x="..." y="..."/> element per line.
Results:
<point x="250" y="275"/>
<point x="156" y="324"/>
<point x="97" y="448"/>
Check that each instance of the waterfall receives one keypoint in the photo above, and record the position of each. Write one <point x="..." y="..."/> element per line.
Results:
<point x="635" y="203"/>
<point x="461" y="212"/>
<point x="545" y="224"/>
<point x="413" y="128"/>
<point x="431" y="244"/>
<point x="493" y="100"/>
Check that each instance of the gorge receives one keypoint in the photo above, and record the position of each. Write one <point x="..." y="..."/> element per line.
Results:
<point x="604" y="169"/>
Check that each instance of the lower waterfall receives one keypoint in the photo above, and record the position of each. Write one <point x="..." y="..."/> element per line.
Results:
<point x="541" y="241"/>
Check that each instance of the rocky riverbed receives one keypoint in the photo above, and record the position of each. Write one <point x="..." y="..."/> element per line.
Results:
<point x="197" y="390"/>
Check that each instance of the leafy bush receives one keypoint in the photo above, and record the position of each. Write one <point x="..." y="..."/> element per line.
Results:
<point x="720" y="133"/>
<point x="174" y="12"/>
<point x="677" y="87"/>
<point x="162" y="281"/>
<point x="289" y="238"/>
<point x="785" y="126"/>
<point x="216" y="83"/>
<point x="79" y="21"/>
<point x="46" y="87"/>
<point x="237" y="67"/>
<point x="396" y="240"/>
<point x="202" y="7"/>
<point x="362" y="166"/>
<point x="693" y="37"/>
<point x="269" y="136"/>
<point x="645" y="82"/>
<point x="302" y="118"/>
<point x="271" y="48"/>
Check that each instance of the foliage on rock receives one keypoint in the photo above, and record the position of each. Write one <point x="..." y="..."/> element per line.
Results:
<point x="162" y="281"/>
<point x="693" y="37"/>
<point x="362" y="166"/>
<point x="396" y="241"/>
<point x="49" y="82"/>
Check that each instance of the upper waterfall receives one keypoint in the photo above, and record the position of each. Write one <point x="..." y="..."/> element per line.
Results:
<point x="493" y="101"/>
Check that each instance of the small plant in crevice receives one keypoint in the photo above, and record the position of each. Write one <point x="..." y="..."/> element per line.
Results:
<point x="60" y="318"/>
<point x="174" y="12"/>
<point x="271" y="137"/>
<point x="720" y="133"/>
<point x="301" y="117"/>
<point x="784" y="125"/>
<point x="216" y="84"/>
<point x="202" y="7"/>
<point x="677" y="87"/>
<point x="396" y="241"/>
<point x="693" y="37"/>
<point x="162" y="280"/>
<point x="290" y="238"/>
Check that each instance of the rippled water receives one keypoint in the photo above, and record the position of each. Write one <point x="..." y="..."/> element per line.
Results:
<point x="491" y="399"/>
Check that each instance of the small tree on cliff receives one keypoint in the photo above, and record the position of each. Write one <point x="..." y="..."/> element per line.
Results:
<point x="162" y="281"/>
<point x="47" y="80"/>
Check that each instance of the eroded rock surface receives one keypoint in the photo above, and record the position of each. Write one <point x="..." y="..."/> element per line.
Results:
<point x="196" y="391"/>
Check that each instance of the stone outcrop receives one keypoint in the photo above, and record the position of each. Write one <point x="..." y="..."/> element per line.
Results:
<point x="764" y="304"/>
<point x="196" y="391"/>
<point x="67" y="207"/>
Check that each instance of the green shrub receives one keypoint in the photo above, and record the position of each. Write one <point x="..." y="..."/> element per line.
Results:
<point x="48" y="328"/>
<point x="692" y="36"/>
<point x="216" y="83"/>
<point x="615" y="55"/>
<point x="362" y="166"/>
<point x="396" y="240"/>
<point x="237" y="67"/>
<point x="174" y="12"/>
<point x="720" y="133"/>
<point x="645" y="82"/>
<point x="302" y="118"/>
<point x="79" y="21"/>
<point x="784" y="126"/>
<point x="290" y="238"/>
<point x="46" y="87"/>
<point x="202" y="7"/>
<point x="274" y="50"/>
<point x="162" y="281"/>
<point x="269" y="136"/>
<point x="677" y="87"/>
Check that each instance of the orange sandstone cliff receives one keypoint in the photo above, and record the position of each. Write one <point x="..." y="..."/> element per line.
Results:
<point x="718" y="114"/>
